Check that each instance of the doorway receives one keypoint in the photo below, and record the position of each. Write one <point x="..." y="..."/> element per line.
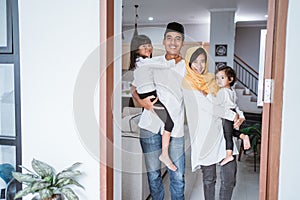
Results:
<point x="273" y="68"/>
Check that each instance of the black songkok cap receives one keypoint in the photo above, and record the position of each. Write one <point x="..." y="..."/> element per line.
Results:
<point x="175" y="27"/>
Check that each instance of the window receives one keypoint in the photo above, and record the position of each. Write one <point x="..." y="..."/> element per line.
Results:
<point x="10" y="132"/>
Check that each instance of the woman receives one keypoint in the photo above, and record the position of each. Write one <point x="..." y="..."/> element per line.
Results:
<point x="205" y="125"/>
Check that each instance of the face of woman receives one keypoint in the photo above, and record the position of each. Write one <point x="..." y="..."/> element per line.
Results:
<point x="198" y="65"/>
<point x="145" y="50"/>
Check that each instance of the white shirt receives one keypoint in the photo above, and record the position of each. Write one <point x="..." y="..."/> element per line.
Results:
<point x="227" y="98"/>
<point x="168" y="82"/>
<point x="205" y="128"/>
<point x="143" y="78"/>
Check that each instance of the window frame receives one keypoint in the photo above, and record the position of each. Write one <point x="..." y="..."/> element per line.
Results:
<point x="9" y="27"/>
<point x="10" y="55"/>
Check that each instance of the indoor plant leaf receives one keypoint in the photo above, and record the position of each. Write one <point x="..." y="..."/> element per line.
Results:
<point x="27" y="170"/>
<point x="75" y="165"/>
<point x="68" y="181"/>
<point x="39" y="185"/>
<point x="42" y="168"/>
<point x="23" y="192"/>
<point x="45" y="193"/>
<point x="68" y="174"/>
<point x="69" y="193"/>
<point x="25" y="178"/>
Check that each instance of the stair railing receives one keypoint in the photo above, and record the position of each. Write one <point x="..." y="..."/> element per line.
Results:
<point x="245" y="74"/>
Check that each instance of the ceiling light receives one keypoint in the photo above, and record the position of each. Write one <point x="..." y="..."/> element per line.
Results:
<point x="266" y="16"/>
<point x="150" y="18"/>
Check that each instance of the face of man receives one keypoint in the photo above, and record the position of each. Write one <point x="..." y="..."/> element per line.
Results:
<point x="173" y="42"/>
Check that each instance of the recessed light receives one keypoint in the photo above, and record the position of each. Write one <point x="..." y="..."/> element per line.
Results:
<point x="266" y="16"/>
<point x="150" y="18"/>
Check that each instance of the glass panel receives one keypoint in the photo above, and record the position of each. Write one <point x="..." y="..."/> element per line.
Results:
<point x="7" y="165"/>
<point x="8" y="154"/>
<point x="3" y="24"/>
<point x="7" y="100"/>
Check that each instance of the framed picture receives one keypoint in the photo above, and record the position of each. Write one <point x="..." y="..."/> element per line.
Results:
<point x="221" y="50"/>
<point x="220" y="64"/>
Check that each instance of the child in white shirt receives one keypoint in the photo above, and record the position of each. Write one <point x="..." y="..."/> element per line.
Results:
<point x="145" y="87"/>
<point x="226" y="97"/>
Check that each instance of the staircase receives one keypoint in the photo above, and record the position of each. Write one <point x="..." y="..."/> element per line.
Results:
<point x="246" y="86"/>
<point x="247" y="102"/>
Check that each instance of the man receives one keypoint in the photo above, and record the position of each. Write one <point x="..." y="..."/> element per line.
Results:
<point x="168" y="85"/>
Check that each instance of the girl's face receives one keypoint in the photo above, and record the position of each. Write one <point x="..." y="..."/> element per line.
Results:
<point x="145" y="50"/>
<point x="198" y="65"/>
<point x="223" y="80"/>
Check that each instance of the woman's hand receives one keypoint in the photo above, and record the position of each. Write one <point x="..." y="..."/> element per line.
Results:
<point x="238" y="122"/>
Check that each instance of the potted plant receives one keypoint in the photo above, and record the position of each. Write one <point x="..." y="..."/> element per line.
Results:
<point x="254" y="133"/>
<point x="47" y="183"/>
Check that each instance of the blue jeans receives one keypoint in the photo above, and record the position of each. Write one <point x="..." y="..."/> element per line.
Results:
<point x="228" y="180"/>
<point x="151" y="145"/>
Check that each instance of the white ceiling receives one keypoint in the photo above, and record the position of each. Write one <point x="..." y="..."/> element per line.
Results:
<point x="190" y="11"/>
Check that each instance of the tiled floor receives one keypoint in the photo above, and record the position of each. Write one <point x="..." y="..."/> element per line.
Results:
<point x="247" y="187"/>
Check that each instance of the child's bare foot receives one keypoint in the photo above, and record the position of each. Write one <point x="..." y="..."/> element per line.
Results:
<point x="227" y="160"/>
<point x="167" y="161"/>
<point x="246" y="142"/>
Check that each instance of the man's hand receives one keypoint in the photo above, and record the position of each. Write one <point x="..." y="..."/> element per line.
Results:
<point x="145" y="103"/>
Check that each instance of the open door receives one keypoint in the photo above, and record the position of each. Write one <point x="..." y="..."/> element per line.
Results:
<point x="273" y="95"/>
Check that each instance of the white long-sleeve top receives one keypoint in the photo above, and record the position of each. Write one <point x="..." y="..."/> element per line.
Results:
<point x="143" y="74"/>
<point x="205" y="128"/>
<point x="227" y="98"/>
<point x="169" y="91"/>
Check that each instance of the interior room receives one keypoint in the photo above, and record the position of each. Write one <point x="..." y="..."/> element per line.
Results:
<point x="244" y="46"/>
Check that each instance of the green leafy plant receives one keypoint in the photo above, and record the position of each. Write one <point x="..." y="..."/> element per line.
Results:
<point x="254" y="133"/>
<point x="46" y="182"/>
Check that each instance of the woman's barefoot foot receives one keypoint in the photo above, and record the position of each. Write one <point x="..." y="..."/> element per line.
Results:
<point x="227" y="160"/>
<point x="246" y="142"/>
<point x="167" y="161"/>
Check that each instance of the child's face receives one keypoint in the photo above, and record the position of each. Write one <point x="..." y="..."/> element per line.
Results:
<point x="198" y="65"/>
<point x="145" y="50"/>
<point x="223" y="80"/>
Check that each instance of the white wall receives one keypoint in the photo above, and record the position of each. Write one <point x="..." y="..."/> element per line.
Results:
<point x="289" y="175"/>
<point x="56" y="38"/>
<point x="247" y="44"/>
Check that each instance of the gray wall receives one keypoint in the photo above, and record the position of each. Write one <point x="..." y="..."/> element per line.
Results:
<point x="247" y="43"/>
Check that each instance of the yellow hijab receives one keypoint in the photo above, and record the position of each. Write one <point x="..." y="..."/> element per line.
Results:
<point x="204" y="82"/>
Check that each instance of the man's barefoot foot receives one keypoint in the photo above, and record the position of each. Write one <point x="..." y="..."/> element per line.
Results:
<point x="246" y="142"/>
<point x="167" y="161"/>
<point x="227" y="160"/>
